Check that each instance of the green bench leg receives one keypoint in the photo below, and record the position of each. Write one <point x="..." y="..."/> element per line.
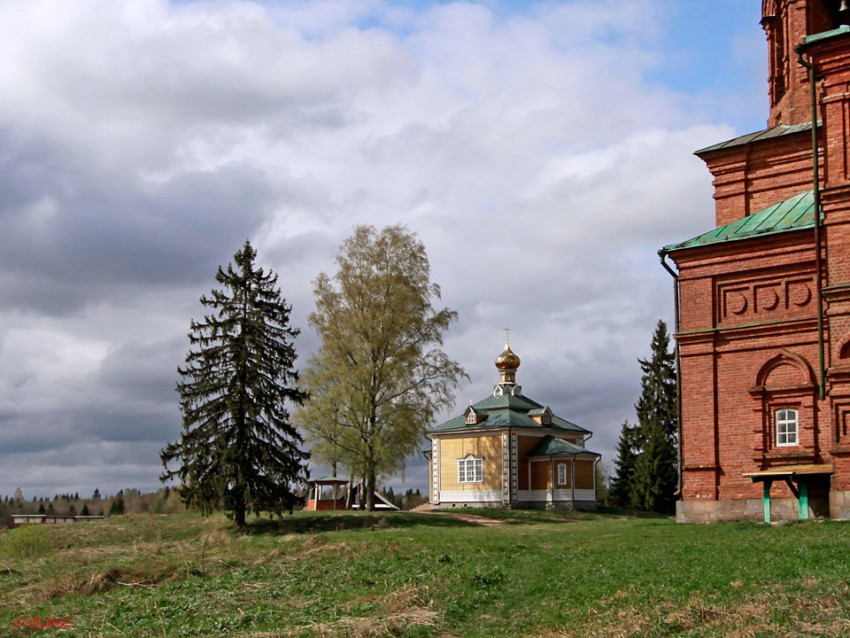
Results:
<point x="765" y="499"/>
<point x="803" y="501"/>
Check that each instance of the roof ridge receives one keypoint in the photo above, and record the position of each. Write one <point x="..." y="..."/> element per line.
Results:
<point x="779" y="130"/>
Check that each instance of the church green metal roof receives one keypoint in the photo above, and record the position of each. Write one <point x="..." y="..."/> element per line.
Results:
<point x="551" y="446"/>
<point x="507" y="410"/>
<point x="824" y="35"/>
<point x="795" y="213"/>
<point x="780" y="130"/>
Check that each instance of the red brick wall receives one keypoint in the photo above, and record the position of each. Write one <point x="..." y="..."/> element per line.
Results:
<point x="749" y="178"/>
<point x="748" y="336"/>
<point x="748" y="343"/>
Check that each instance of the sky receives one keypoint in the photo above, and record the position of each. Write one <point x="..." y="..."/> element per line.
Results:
<point x="541" y="151"/>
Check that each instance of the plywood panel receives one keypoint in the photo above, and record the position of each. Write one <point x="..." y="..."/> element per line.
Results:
<point x="524" y="445"/>
<point x="584" y="475"/>
<point x="541" y="474"/>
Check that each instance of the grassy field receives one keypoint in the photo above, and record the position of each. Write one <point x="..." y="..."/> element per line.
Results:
<point x="539" y="575"/>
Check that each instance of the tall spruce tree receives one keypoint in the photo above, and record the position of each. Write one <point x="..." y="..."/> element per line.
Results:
<point x="654" y="481"/>
<point x="379" y="377"/>
<point x="655" y="476"/>
<point x="628" y="448"/>
<point x="238" y="446"/>
<point x="657" y="403"/>
<point x="646" y="452"/>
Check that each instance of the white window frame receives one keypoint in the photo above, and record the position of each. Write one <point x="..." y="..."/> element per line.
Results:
<point x="787" y="422"/>
<point x="562" y="473"/>
<point x="470" y="418"/>
<point x="470" y="470"/>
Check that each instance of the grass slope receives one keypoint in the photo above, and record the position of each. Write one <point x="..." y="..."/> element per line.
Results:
<point x="542" y="575"/>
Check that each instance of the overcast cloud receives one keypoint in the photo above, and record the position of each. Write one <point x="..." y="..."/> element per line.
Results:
<point x="541" y="151"/>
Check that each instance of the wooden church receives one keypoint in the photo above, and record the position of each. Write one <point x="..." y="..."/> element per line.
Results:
<point x="763" y="298"/>
<point x="508" y="451"/>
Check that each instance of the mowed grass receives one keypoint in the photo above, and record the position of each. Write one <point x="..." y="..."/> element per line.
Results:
<point x="539" y="575"/>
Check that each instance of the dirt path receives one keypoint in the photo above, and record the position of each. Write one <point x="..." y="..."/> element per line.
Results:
<point x="472" y="519"/>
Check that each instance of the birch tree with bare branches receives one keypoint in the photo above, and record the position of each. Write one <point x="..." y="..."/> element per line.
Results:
<point x="380" y="376"/>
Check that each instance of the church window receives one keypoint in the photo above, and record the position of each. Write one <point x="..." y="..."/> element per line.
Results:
<point x="470" y="418"/>
<point x="562" y="473"/>
<point x="470" y="470"/>
<point x="785" y="390"/>
<point x="786" y="427"/>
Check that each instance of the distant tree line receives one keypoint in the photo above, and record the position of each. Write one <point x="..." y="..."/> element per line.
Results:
<point x="128" y="501"/>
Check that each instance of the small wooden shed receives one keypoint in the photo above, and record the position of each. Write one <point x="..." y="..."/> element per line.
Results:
<point x="328" y="493"/>
<point x="337" y="493"/>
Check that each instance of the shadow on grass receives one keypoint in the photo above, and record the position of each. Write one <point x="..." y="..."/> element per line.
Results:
<point x="533" y="517"/>
<point x="544" y="517"/>
<point x="311" y="522"/>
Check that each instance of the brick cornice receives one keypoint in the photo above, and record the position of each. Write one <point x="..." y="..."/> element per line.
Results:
<point x="780" y="457"/>
<point x="747" y="331"/>
<point x="735" y="256"/>
<point x="837" y="196"/>
<point x="837" y="292"/>
<point x="760" y="391"/>
<point x="697" y="467"/>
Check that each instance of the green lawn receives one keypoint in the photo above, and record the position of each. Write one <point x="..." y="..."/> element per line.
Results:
<point x="540" y="575"/>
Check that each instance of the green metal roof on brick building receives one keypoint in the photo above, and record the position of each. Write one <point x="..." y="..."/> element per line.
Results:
<point x="795" y="213"/>
<point x="780" y="130"/>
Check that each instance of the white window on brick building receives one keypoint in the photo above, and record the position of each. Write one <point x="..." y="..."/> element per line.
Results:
<point x="787" y="426"/>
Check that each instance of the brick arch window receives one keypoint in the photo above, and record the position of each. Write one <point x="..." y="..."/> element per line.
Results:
<point x="844" y="353"/>
<point x="784" y="405"/>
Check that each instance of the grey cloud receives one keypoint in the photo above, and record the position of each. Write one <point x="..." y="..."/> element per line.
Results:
<point x="120" y="422"/>
<point x="138" y="371"/>
<point x="65" y="246"/>
<point x="81" y="468"/>
<point x="127" y="423"/>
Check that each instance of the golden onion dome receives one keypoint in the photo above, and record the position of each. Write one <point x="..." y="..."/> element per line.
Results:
<point x="507" y="360"/>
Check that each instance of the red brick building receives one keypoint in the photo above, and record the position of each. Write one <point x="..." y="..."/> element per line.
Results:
<point x="763" y="300"/>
